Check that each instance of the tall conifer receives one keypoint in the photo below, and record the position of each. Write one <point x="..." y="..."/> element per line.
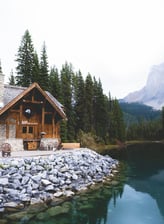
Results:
<point x="54" y="83"/>
<point x="66" y="88"/>
<point x="79" y="102"/>
<point x="88" y="115"/>
<point x="44" y="71"/>
<point x="12" y="79"/>
<point x="25" y="60"/>
<point x="36" y="69"/>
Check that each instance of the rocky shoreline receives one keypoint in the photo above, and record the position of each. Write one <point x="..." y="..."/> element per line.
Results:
<point x="31" y="180"/>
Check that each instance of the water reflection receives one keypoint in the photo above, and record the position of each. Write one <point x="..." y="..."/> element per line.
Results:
<point x="143" y="196"/>
<point x="134" y="207"/>
<point x="136" y="196"/>
<point x="149" y="171"/>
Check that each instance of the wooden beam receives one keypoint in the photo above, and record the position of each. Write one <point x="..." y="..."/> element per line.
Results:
<point x="33" y="93"/>
<point x="33" y="101"/>
<point x="21" y="113"/>
<point x="46" y="112"/>
<point x="43" y="116"/>
<point x="53" y="125"/>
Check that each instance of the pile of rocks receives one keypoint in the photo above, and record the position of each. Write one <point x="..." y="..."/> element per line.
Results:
<point x="25" y="181"/>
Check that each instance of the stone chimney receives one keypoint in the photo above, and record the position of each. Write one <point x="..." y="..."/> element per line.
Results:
<point x="2" y="77"/>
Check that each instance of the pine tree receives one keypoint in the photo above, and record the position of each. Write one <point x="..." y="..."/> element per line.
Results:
<point x="88" y="115"/>
<point x="100" y="110"/>
<point x="66" y="87"/>
<point x="36" y="69"/>
<point x="163" y="118"/>
<point x="117" y="127"/>
<point x="44" y="72"/>
<point x="12" y="79"/>
<point x="25" y="60"/>
<point x="79" y="101"/>
<point x="54" y="83"/>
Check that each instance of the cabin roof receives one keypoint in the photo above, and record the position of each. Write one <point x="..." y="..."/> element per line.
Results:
<point x="13" y="94"/>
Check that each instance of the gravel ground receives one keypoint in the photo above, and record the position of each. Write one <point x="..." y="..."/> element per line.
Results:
<point x="28" y="153"/>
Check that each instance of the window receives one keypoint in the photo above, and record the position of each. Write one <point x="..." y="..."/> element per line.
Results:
<point x="27" y="130"/>
<point x="24" y="130"/>
<point x="30" y="130"/>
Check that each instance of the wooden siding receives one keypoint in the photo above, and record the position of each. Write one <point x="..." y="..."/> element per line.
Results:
<point x="32" y="115"/>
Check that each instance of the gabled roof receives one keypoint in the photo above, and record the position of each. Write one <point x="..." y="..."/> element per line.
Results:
<point x="12" y="94"/>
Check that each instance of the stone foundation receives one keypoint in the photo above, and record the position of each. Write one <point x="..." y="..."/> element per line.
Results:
<point x="16" y="144"/>
<point x="49" y="143"/>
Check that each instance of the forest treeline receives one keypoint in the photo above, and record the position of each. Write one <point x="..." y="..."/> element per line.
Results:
<point x="87" y="108"/>
<point x="142" y="121"/>
<point x="89" y="111"/>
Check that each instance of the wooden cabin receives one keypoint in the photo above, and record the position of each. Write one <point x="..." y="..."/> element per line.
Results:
<point x="29" y="117"/>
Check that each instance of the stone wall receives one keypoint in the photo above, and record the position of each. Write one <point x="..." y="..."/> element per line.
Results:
<point x="2" y="131"/>
<point x="16" y="144"/>
<point x="12" y="131"/>
<point x="49" y="143"/>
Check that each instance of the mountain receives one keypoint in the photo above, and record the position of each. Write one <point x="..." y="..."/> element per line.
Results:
<point x="153" y="93"/>
<point x="136" y="112"/>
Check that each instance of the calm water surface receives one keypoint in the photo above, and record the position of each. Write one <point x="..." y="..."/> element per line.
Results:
<point x="137" y="197"/>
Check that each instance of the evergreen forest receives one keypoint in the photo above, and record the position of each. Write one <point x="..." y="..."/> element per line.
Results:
<point x="89" y="111"/>
<point x="92" y="115"/>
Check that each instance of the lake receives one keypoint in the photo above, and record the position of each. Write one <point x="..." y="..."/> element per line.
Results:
<point x="135" y="197"/>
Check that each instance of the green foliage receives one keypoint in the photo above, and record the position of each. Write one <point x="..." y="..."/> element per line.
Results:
<point x="36" y="69"/>
<point x="25" y="60"/>
<point x="142" y="122"/>
<point x="44" y="73"/>
<point x="87" y="108"/>
<point x="79" y="101"/>
<point x="145" y="130"/>
<point x="12" y="79"/>
<point x="139" y="112"/>
<point x="89" y="98"/>
<point x="54" y="83"/>
<point x="88" y="140"/>
<point x="116" y="127"/>
<point x="162" y="118"/>
<point x="66" y="86"/>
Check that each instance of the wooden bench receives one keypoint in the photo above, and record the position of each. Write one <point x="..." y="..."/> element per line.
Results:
<point x="71" y="145"/>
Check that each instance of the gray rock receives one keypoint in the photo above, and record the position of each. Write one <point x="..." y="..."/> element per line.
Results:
<point x="58" y="194"/>
<point x="25" y="180"/>
<point x="4" y="181"/>
<point x="49" y="188"/>
<point x="45" y="182"/>
<point x="34" y="180"/>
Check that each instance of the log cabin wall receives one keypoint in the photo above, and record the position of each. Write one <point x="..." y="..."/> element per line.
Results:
<point x="29" y="114"/>
<point x="27" y="119"/>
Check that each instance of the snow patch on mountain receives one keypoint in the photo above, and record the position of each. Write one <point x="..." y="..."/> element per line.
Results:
<point x="152" y="94"/>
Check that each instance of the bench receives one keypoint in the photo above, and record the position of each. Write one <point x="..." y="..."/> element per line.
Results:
<point x="71" y="145"/>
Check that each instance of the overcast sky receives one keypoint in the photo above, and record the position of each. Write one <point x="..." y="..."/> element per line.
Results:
<point x="117" y="41"/>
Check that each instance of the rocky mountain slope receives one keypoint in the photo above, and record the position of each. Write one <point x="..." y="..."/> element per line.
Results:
<point x="152" y="94"/>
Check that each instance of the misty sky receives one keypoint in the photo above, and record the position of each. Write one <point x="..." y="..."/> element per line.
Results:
<point x="117" y="41"/>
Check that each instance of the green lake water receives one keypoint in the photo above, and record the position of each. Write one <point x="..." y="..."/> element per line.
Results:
<point x="135" y="197"/>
